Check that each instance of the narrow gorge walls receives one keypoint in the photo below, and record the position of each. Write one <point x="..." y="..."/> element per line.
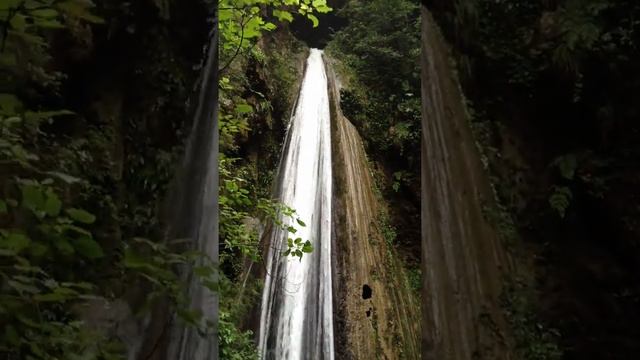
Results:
<point x="376" y="310"/>
<point x="463" y="260"/>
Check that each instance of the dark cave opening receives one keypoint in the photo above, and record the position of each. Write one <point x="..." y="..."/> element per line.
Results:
<point x="366" y="292"/>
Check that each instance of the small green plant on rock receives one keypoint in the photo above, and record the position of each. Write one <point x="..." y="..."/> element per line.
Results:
<point x="534" y="340"/>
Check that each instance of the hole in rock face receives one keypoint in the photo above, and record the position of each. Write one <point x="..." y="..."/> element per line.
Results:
<point x="369" y="312"/>
<point x="366" y="292"/>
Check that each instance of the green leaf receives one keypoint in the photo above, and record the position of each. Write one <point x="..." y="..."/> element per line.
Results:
<point x="8" y="253"/>
<point x="283" y="15"/>
<point x="560" y="200"/>
<point x="64" y="246"/>
<point x="134" y="261"/>
<point x="300" y="222"/>
<point x="211" y="285"/>
<point x="36" y="40"/>
<point x="8" y="60"/>
<point x="38" y="116"/>
<point x="11" y="335"/>
<point x="22" y="287"/>
<point x="9" y="104"/>
<point x="190" y="316"/>
<point x="49" y="24"/>
<point x="52" y="205"/>
<point x="79" y="9"/>
<point x="45" y="13"/>
<point x="51" y="297"/>
<point x="244" y="108"/>
<point x="567" y="165"/>
<point x="88" y="247"/>
<point x="3" y="207"/>
<point x="64" y="177"/>
<point x="76" y="230"/>
<point x="323" y="8"/>
<point x="28" y="4"/>
<point x="16" y="242"/>
<point x="204" y="271"/>
<point x="314" y="19"/>
<point x="81" y="215"/>
<point x="252" y="28"/>
<point x="38" y="249"/>
<point x="32" y="197"/>
<point x="307" y="248"/>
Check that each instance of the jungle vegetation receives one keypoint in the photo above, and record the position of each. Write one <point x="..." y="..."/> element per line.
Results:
<point x="552" y="86"/>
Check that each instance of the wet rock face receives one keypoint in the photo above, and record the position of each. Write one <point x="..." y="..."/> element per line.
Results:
<point x="375" y="306"/>
<point x="463" y="261"/>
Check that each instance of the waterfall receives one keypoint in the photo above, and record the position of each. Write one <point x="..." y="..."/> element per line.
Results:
<point x="296" y="319"/>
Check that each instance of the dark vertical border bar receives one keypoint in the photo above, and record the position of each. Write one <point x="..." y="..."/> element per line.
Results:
<point x="192" y="213"/>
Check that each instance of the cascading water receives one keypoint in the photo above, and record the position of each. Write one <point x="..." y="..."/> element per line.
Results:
<point x="296" y="319"/>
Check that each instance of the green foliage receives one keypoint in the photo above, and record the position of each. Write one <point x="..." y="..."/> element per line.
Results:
<point x="580" y="31"/>
<point x="566" y="165"/>
<point x="400" y="178"/>
<point x="549" y="76"/>
<point x="296" y="247"/>
<point x="54" y="225"/>
<point x="22" y="37"/>
<point x="242" y="22"/>
<point x="155" y="263"/>
<point x="380" y="48"/>
<point x="499" y="216"/>
<point x="560" y="199"/>
<point x="237" y="205"/>
<point x="238" y="300"/>
<point x="415" y="279"/>
<point x="534" y="341"/>
<point x="576" y="169"/>
<point x="234" y="343"/>
<point x="39" y="292"/>
<point x="244" y="197"/>
<point x="45" y="237"/>
<point x="387" y="230"/>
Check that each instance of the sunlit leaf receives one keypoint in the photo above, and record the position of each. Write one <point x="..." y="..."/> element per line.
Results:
<point x="243" y="108"/>
<point x="313" y="19"/>
<point x="283" y="15"/>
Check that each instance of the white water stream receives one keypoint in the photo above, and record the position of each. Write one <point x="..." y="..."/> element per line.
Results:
<point x="296" y="319"/>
